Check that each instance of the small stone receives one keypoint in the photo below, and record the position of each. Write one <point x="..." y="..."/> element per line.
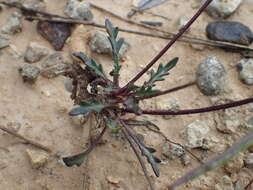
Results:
<point x="13" y="24"/>
<point x="196" y="134"/>
<point x="245" y="68"/>
<point x="4" y="42"/>
<point x="228" y="31"/>
<point x="229" y="126"/>
<point x="29" y="73"/>
<point x="101" y="44"/>
<point x="54" y="65"/>
<point x="248" y="124"/>
<point x="54" y="59"/>
<point x="68" y="84"/>
<point x="172" y="151"/>
<point x="222" y="8"/>
<point x="54" y="32"/>
<point x="34" y="4"/>
<point x="186" y="160"/>
<point x="37" y="158"/>
<point x="78" y="10"/>
<point x="171" y="104"/>
<point x="211" y="76"/>
<point x="234" y="165"/>
<point x="225" y="184"/>
<point x="250" y="107"/>
<point x="54" y="71"/>
<point x="211" y="143"/>
<point x="112" y="180"/>
<point x="249" y="160"/>
<point x="35" y="52"/>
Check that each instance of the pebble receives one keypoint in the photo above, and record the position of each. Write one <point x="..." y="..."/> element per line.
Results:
<point x="196" y="134"/>
<point x="13" y="24"/>
<point x="172" y="151"/>
<point x="68" y="84"/>
<point x="78" y="10"/>
<point x="225" y="184"/>
<point x="222" y="8"/>
<point x="234" y="165"/>
<point x="229" y="31"/>
<point x="229" y="126"/>
<point x="35" y="52"/>
<point x="54" y="65"/>
<point x="211" y="76"/>
<point x="101" y="44"/>
<point x="171" y="104"/>
<point x="29" y="72"/>
<point x="249" y="124"/>
<point x="54" y="32"/>
<point x="37" y="158"/>
<point x="4" y="42"/>
<point x="34" y="4"/>
<point x="186" y="160"/>
<point x="245" y="68"/>
<point x="249" y="160"/>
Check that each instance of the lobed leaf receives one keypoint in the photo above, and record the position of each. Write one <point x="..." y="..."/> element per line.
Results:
<point x="96" y="68"/>
<point x="87" y="107"/>
<point x="161" y="72"/>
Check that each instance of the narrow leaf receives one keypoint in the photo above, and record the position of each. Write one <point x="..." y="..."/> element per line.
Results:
<point x="152" y="160"/>
<point x="87" y="107"/>
<point x="119" y="44"/>
<point x="97" y="68"/>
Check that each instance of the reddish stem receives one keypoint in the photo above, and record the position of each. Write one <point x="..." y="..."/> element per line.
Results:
<point x="195" y="111"/>
<point x="165" y="49"/>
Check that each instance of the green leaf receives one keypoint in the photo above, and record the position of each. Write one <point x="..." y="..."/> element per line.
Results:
<point x="112" y="31"/>
<point x="146" y="92"/>
<point x="74" y="160"/>
<point x="116" y="45"/>
<point x="161" y="72"/>
<point x="87" y="107"/>
<point x="97" y="68"/>
<point x="154" y="161"/>
<point x="119" y="44"/>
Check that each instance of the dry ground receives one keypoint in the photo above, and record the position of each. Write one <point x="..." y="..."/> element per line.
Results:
<point x="42" y="109"/>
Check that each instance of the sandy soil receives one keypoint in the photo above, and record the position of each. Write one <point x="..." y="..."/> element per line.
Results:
<point x="42" y="109"/>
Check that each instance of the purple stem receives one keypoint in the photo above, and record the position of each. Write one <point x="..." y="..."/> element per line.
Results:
<point x="195" y="111"/>
<point x="165" y="49"/>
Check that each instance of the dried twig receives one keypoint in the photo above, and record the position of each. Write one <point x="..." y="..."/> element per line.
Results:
<point x="57" y="18"/>
<point x="225" y="46"/>
<point x="183" y="38"/>
<point x="29" y="141"/>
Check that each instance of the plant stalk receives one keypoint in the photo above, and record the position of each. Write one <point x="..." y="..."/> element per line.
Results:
<point x="195" y="111"/>
<point x="165" y="49"/>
